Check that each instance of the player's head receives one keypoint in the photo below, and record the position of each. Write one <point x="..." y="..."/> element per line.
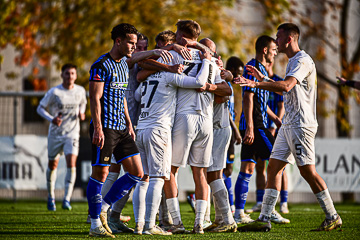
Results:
<point x="208" y="43"/>
<point x="188" y="29"/>
<point x="165" y="38"/>
<point x="287" y="33"/>
<point x="68" y="74"/>
<point x="265" y="46"/>
<point x="124" y="36"/>
<point x="235" y="66"/>
<point x="142" y="43"/>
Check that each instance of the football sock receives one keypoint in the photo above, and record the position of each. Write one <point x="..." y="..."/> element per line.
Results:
<point x="208" y="207"/>
<point x="218" y="216"/>
<point x="201" y="206"/>
<point x="120" y="188"/>
<point x="284" y="196"/>
<point x="119" y="205"/>
<point x="93" y="194"/>
<point x="111" y="178"/>
<point x="260" y="195"/>
<point x="95" y="223"/>
<point x="270" y="198"/>
<point x="153" y="199"/>
<point x="139" y="198"/>
<point x="50" y="182"/>
<point x="241" y="190"/>
<point x="164" y="215"/>
<point x="174" y="209"/>
<point x="326" y="204"/>
<point x="229" y="188"/>
<point x="221" y="198"/>
<point x="70" y="178"/>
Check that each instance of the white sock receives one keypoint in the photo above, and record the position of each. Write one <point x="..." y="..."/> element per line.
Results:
<point x="239" y="212"/>
<point x="104" y="206"/>
<point x="222" y="200"/>
<point x="326" y="204"/>
<point x="70" y="178"/>
<point x="164" y="214"/>
<point x="218" y="216"/>
<point x="50" y="181"/>
<point x="174" y="209"/>
<point x="153" y="199"/>
<point x="270" y="198"/>
<point x="139" y="197"/>
<point x="200" y="212"/>
<point x="208" y="207"/>
<point x="111" y="178"/>
<point x="119" y="205"/>
<point x="95" y="222"/>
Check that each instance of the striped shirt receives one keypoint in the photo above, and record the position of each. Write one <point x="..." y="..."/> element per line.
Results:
<point x="231" y="103"/>
<point x="115" y="77"/>
<point x="260" y="99"/>
<point x="274" y="100"/>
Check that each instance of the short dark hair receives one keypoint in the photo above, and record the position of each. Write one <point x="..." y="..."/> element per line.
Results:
<point x="121" y="30"/>
<point x="68" y="65"/>
<point x="234" y="63"/>
<point x="166" y="36"/>
<point x="190" y="27"/>
<point x="263" y="42"/>
<point x="291" y="29"/>
<point x="141" y="36"/>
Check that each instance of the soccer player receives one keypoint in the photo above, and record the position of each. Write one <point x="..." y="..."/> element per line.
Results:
<point x="67" y="105"/>
<point x="236" y="67"/>
<point x="158" y="103"/>
<point x="111" y="129"/>
<point x="257" y="140"/>
<point x="295" y="141"/>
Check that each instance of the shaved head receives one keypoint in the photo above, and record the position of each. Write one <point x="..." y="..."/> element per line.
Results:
<point x="208" y="43"/>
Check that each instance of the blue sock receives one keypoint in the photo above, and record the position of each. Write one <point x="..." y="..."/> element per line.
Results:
<point x="260" y="195"/>
<point x="284" y="196"/>
<point x="227" y="181"/>
<point x="93" y="194"/>
<point x="120" y="188"/>
<point x="241" y="189"/>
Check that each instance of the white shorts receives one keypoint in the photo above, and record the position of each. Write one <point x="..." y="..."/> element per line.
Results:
<point x="155" y="151"/>
<point x="192" y="139"/>
<point x="295" y="144"/>
<point x="56" y="146"/>
<point x="221" y="143"/>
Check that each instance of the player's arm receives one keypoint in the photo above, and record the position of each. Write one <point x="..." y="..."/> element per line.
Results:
<point x="235" y="131"/>
<point x="194" y="44"/>
<point x="281" y="109"/>
<point x="96" y="90"/>
<point x="41" y="110"/>
<point x="128" y="120"/>
<point x="248" y="108"/>
<point x="273" y="117"/>
<point x="137" y="57"/>
<point x="350" y="83"/>
<point x="151" y="66"/>
<point x="221" y="89"/>
<point x="82" y="107"/>
<point x="226" y="75"/>
<point x="183" y="51"/>
<point x="219" y="99"/>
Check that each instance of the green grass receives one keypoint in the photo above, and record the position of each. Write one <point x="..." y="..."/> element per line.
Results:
<point x="31" y="220"/>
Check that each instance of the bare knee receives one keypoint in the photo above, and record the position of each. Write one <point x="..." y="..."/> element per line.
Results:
<point x="100" y="173"/>
<point x="53" y="164"/>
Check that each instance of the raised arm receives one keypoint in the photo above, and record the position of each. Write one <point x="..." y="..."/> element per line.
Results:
<point x="136" y="57"/>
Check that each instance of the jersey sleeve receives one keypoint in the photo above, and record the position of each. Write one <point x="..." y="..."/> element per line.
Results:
<point x="248" y="76"/>
<point x="218" y="78"/>
<point x="192" y="82"/>
<point x="47" y="99"/>
<point x="177" y="59"/>
<point x="97" y="73"/>
<point x="299" y="69"/>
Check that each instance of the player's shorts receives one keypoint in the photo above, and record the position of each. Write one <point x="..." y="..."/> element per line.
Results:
<point x="117" y="142"/>
<point x="261" y="147"/>
<point x="295" y="144"/>
<point x="231" y="150"/>
<point x="57" y="146"/>
<point x="155" y="151"/>
<point x="221" y="143"/>
<point x="192" y="139"/>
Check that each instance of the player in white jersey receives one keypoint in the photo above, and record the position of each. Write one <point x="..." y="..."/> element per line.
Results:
<point x="158" y="102"/>
<point x="192" y="131"/>
<point x="296" y="137"/>
<point x="67" y="104"/>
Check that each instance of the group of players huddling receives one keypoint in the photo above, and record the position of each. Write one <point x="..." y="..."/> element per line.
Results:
<point x="176" y="97"/>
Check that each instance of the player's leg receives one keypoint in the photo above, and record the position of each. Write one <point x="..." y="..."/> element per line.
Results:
<point x="260" y="185"/>
<point x="54" y="148"/>
<point x="228" y="171"/>
<point x="284" y="193"/>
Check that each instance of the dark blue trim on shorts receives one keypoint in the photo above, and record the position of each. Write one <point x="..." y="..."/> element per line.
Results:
<point x="228" y="161"/>
<point x="266" y="139"/>
<point x="248" y="160"/>
<point x="118" y="162"/>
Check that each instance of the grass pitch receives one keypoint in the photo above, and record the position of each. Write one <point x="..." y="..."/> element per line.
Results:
<point x="31" y="220"/>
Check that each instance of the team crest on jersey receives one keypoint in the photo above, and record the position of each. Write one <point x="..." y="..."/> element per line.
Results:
<point x="106" y="159"/>
<point x="118" y="85"/>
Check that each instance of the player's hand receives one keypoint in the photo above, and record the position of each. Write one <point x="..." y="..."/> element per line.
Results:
<point x="57" y="120"/>
<point x="253" y="71"/>
<point x="226" y="75"/>
<point x="177" y="68"/>
<point x="219" y="62"/>
<point x="205" y="54"/>
<point x="186" y="42"/>
<point x="183" y="51"/>
<point x="98" y="138"/>
<point x="203" y="88"/>
<point x="164" y="54"/>
<point x="243" y="82"/>
<point x="341" y="80"/>
<point x="238" y="138"/>
<point x="249" y="136"/>
<point x="132" y="133"/>
<point x="278" y="122"/>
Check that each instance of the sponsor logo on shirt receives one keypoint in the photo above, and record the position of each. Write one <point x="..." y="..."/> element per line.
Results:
<point x="118" y="85"/>
<point x="97" y="77"/>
